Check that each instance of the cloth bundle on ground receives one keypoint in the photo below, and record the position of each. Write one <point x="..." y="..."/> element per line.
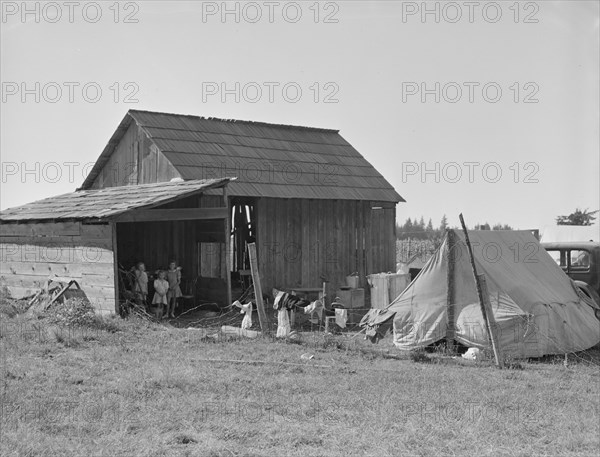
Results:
<point x="247" y="311"/>
<point x="537" y="308"/>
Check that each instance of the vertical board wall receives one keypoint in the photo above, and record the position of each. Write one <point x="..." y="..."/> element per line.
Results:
<point x="301" y="240"/>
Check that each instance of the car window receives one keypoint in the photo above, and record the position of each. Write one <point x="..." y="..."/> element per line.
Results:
<point x="580" y="260"/>
<point x="560" y="260"/>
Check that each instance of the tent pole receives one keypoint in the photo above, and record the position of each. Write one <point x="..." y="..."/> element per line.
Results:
<point x="491" y="330"/>
<point x="490" y="321"/>
<point x="450" y="298"/>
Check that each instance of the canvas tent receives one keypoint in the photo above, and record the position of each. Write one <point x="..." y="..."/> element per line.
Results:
<point x="536" y="307"/>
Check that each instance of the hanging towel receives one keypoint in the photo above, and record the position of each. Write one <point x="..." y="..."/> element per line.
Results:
<point x="283" y="323"/>
<point x="341" y="316"/>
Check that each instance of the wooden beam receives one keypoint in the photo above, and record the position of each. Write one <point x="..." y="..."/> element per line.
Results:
<point x="227" y="229"/>
<point x="491" y="330"/>
<point x="262" y="315"/>
<point x="178" y="214"/>
<point x="113" y="227"/>
<point x="490" y="321"/>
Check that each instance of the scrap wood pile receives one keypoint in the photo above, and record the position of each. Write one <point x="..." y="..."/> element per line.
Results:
<point x="55" y="290"/>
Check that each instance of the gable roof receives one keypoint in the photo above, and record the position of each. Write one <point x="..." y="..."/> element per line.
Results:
<point x="108" y="202"/>
<point x="269" y="160"/>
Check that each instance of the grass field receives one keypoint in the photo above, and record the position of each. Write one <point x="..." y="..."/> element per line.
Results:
<point x="139" y="388"/>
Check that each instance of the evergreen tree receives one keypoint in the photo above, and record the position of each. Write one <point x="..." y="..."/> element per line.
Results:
<point x="444" y="223"/>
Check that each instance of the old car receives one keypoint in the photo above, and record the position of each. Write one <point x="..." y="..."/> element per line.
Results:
<point x="580" y="260"/>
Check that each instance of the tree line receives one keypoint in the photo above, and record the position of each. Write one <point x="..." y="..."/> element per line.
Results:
<point x="418" y="229"/>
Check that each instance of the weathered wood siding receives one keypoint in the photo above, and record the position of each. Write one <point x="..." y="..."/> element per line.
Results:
<point x="301" y="240"/>
<point x="30" y="253"/>
<point x="135" y="160"/>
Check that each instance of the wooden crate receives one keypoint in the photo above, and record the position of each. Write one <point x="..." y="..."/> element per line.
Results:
<point x="352" y="298"/>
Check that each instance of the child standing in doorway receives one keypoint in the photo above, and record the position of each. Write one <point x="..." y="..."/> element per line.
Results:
<point x="161" y="288"/>
<point x="140" y="286"/>
<point x="174" y="278"/>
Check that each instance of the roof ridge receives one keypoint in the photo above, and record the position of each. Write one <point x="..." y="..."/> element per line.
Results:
<point x="240" y="121"/>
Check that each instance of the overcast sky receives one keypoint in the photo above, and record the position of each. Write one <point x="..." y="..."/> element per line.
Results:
<point x="490" y="109"/>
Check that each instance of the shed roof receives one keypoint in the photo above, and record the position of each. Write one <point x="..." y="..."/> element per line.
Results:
<point x="269" y="160"/>
<point x="101" y="204"/>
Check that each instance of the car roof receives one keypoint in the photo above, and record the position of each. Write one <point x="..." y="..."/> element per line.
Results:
<point x="590" y="245"/>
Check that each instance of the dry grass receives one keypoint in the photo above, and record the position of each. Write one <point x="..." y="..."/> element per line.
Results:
<point x="129" y="388"/>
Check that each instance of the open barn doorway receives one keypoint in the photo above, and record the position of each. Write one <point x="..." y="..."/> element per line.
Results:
<point x="198" y="247"/>
<point x="243" y="231"/>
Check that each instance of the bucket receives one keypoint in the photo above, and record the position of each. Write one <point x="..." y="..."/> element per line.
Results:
<point x="352" y="281"/>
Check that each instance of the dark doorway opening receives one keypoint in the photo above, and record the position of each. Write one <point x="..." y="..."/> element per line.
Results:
<point x="243" y="231"/>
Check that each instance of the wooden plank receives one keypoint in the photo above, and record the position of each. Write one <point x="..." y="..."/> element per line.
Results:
<point x="102" y="280"/>
<point x="359" y="234"/>
<point x="210" y="254"/>
<point x="330" y="252"/>
<point x="377" y="232"/>
<point x="262" y="316"/>
<point x="490" y="321"/>
<point x="68" y="240"/>
<point x="96" y="232"/>
<point x="368" y="239"/>
<point x="41" y="229"/>
<point x="394" y="237"/>
<point x="17" y="291"/>
<point x="50" y="253"/>
<point x="56" y="241"/>
<point x="343" y="214"/>
<point x="179" y="214"/>
<point x="267" y="267"/>
<point x="227" y="228"/>
<point x="115" y="265"/>
<point x="305" y="242"/>
<point x="278" y="241"/>
<point x="387" y="244"/>
<point x="290" y="247"/>
<point x="93" y="291"/>
<point x="51" y="268"/>
<point x="338" y="267"/>
<point x="387" y="241"/>
<point x="23" y="280"/>
<point x="85" y="280"/>
<point x="296" y="250"/>
<point x="480" y="283"/>
<point x="351" y="239"/>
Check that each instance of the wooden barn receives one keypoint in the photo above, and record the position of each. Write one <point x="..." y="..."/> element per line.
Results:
<point x="315" y="207"/>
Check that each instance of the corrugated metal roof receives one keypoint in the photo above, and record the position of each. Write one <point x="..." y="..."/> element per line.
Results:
<point x="269" y="160"/>
<point x="108" y="202"/>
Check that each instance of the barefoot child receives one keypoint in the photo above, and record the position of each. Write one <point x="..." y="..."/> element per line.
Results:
<point x="161" y="287"/>
<point x="174" y="278"/>
<point x="140" y="286"/>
